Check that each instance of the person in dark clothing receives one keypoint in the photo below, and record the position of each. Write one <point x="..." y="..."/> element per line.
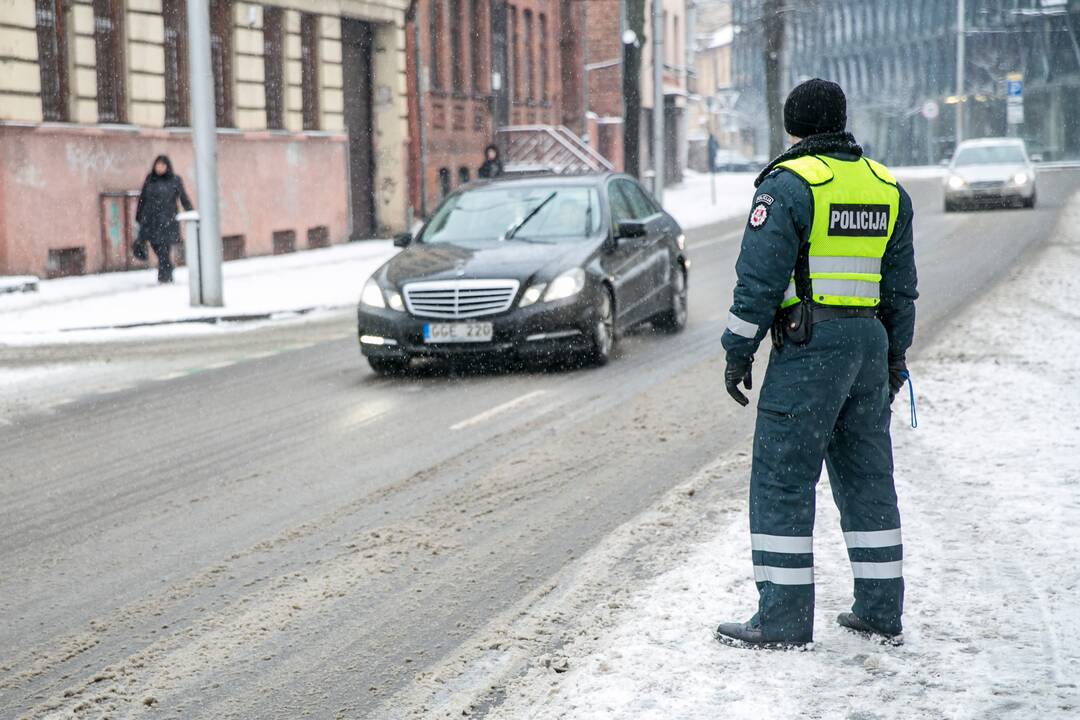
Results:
<point x="156" y="215"/>
<point x="827" y="267"/>
<point x="492" y="167"/>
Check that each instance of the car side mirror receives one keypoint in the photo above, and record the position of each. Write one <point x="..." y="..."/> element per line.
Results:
<point x="1037" y="158"/>
<point x="403" y="239"/>
<point x="632" y="229"/>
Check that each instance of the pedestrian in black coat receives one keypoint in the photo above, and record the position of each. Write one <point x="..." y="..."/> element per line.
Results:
<point x="492" y="167"/>
<point x="156" y="215"/>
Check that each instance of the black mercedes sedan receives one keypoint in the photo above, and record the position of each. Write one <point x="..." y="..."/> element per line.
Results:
<point x="543" y="266"/>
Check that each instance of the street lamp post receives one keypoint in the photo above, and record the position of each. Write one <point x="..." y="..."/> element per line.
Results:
<point x="658" y="99"/>
<point x="204" y="134"/>
<point x="960" y="38"/>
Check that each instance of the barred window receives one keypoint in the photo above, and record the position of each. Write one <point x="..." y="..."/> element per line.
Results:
<point x="53" y="51"/>
<point x="221" y="47"/>
<point x="309" y="69"/>
<point x="109" y="50"/>
<point x="274" y="66"/>
<point x="177" y="95"/>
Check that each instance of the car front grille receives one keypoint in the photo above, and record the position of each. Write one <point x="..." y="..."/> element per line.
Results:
<point x="987" y="185"/>
<point x="455" y="299"/>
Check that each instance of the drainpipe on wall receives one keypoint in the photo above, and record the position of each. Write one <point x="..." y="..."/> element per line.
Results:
<point x="414" y="13"/>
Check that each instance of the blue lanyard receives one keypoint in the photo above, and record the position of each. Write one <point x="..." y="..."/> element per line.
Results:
<point x="911" y="391"/>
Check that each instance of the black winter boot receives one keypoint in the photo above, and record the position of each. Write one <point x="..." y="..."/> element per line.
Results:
<point x="853" y="622"/>
<point x="748" y="636"/>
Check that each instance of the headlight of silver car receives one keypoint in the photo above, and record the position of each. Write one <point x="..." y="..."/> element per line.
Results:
<point x="1021" y="178"/>
<point x="957" y="183"/>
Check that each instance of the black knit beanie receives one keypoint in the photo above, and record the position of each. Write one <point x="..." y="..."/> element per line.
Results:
<point x="813" y="107"/>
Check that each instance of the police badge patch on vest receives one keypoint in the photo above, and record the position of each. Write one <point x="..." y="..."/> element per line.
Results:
<point x="759" y="215"/>
<point x="858" y="220"/>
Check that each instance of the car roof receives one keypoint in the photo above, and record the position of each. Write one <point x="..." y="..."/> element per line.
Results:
<point x="546" y="179"/>
<point x="984" y="142"/>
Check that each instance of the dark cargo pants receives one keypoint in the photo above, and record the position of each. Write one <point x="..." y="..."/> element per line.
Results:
<point x="825" y="400"/>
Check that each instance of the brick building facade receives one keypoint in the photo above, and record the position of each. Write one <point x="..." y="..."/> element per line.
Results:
<point x="310" y="105"/>
<point x="477" y="65"/>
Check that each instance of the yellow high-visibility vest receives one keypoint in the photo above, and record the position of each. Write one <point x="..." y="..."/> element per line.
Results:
<point x="856" y="203"/>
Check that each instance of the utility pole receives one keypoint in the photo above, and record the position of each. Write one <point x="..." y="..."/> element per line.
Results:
<point x="634" y="30"/>
<point x="414" y="12"/>
<point x="204" y="132"/>
<point x="658" y="99"/>
<point x="961" y="33"/>
<point x="773" y="21"/>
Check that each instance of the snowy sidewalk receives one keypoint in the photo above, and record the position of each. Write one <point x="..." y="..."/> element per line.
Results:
<point x="130" y="304"/>
<point x="989" y="488"/>
<point x="691" y="201"/>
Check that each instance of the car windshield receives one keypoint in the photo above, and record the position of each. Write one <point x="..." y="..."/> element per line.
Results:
<point x="539" y="213"/>
<point x="991" y="155"/>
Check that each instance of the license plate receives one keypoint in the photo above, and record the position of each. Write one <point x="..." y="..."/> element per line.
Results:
<point x="458" y="332"/>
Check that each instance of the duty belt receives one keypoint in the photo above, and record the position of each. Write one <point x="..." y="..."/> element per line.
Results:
<point x="821" y="313"/>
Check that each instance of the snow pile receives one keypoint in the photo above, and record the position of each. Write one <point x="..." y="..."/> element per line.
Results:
<point x="989" y="488"/>
<point x="691" y="201"/>
<point x="298" y="282"/>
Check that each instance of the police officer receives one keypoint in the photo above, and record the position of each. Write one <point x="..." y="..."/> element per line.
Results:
<point x="827" y="266"/>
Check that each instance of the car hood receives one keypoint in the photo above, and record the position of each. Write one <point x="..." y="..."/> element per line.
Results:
<point x="986" y="173"/>
<point x="510" y="259"/>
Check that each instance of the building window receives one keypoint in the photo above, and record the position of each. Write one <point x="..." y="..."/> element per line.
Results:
<point x="109" y="51"/>
<point x="515" y="56"/>
<point x="543" y="57"/>
<point x="274" y="66"/>
<point x="221" y="47"/>
<point x="177" y="96"/>
<point x="309" y="69"/>
<point x="463" y="175"/>
<point x="52" y="37"/>
<point x="444" y="181"/>
<point x="435" y="34"/>
<point x="476" y="37"/>
<point x="457" y="51"/>
<point x="527" y="57"/>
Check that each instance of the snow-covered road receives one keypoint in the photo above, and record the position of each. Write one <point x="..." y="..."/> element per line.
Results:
<point x="989" y="486"/>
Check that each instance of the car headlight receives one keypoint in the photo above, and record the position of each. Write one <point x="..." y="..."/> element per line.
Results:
<point x="531" y="295"/>
<point x="957" y="183"/>
<point x="566" y="285"/>
<point x="1021" y="178"/>
<point x="373" y="296"/>
<point x="681" y="241"/>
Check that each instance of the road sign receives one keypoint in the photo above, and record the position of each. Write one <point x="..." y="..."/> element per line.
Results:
<point x="930" y="110"/>
<point x="1014" y="87"/>
<point x="1014" y="99"/>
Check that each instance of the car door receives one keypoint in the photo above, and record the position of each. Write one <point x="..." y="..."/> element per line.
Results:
<point x="624" y="259"/>
<point x="653" y="257"/>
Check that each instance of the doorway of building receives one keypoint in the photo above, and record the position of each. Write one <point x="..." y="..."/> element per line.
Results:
<point x="356" y="42"/>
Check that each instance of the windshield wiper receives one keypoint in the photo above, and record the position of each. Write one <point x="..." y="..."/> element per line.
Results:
<point x="509" y="234"/>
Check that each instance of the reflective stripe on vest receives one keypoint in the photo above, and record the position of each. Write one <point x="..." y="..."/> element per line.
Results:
<point x="856" y="203"/>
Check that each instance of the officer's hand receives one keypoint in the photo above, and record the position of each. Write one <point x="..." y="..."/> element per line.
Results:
<point x="898" y="373"/>
<point x="739" y="371"/>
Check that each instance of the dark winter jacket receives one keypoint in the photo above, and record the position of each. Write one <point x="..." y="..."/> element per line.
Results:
<point x="490" y="168"/>
<point x="156" y="211"/>
<point x="770" y="250"/>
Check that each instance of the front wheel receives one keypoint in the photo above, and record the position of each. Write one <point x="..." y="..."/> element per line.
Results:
<point x="1029" y="203"/>
<point x="673" y="319"/>
<point x="603" y="340"/>
<point x="389" y="365"/>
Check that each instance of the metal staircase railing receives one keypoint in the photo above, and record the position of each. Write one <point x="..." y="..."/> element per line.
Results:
<point x="547" y="148"/>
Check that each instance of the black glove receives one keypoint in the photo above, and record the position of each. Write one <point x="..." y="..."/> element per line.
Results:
<point x="738" y="371"/>
<point x="897" y="375"/>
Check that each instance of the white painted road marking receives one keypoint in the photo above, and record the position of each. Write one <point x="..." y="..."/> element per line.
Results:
<point x="488" y="414"/>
